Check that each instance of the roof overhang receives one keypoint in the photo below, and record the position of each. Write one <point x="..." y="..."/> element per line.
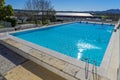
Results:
<point x="75" y="14"/>
<point x="72" y="14"/>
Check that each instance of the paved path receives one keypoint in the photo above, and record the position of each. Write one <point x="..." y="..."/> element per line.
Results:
<point x="58" y="66"/>
<point x="15" y="67"/>
<point x="1" y="77"/>
<point x="9" y="59"/>
<point x="112" y="70"/>
<point x="31" y="71"/>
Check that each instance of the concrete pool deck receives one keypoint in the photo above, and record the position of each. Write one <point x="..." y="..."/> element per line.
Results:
<point x="16" y="67"/>
<point x="9" y="59"/>
<point x="59" y="66"/>
<point x="31" y="71"/>
<point x="64" y="69"/>
<point x="114" y="63"/>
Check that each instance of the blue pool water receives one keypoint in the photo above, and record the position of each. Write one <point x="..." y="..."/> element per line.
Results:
<point x="77" y="40"/>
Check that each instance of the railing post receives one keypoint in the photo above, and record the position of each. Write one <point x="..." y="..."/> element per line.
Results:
<point x="86" y="68"/>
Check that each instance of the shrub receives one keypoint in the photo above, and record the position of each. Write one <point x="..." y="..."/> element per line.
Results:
<point x="12" y="21"/>
<point x="53" y="19"/>
<point x="46" y="22"/>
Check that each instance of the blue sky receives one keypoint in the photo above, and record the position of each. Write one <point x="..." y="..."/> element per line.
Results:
<point x="74" y="5"/>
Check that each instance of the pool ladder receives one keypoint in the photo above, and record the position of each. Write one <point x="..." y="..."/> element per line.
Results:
<point x="86" y="68"/>
<point x="95" y="76"/>
<point x="94" y="72"/>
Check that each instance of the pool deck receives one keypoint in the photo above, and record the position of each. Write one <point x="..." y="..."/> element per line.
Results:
<point x="61" y="67"/>
<point x="58" y="66"/>
<point x="12" y="65"/>
<point x="9" y="59"/>
<point x="114" y="64"/>
<point x="31" y="71"/>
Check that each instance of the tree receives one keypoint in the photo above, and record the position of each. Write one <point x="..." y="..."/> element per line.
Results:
<point x="9" y="10"/>
<point x="5" y="11"/>
<point x="104" y="17"/>
<point x="2" y="2"/>
<point x="1" y="8"/>
<point x="43" y="6"/>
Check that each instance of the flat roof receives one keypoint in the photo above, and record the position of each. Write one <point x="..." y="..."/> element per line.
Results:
<point x="74" y="14"/>
<point x="61" y="13"/>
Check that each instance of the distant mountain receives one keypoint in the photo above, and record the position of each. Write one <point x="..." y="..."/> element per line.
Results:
<point x="110" y="11"/>
<point x="114" y="11"/>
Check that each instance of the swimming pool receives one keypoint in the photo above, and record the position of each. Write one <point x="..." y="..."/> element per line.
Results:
<point x="77" y="40"/>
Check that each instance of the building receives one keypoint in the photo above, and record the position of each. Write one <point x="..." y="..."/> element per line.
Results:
<point x="73" y="16"/>
<point x="60" y="15"/>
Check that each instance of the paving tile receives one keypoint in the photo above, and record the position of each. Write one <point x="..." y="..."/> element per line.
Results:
<point x="17" y="45"/>
<point x="10" y="41"/>
<point x="81" y="75"/>
<point x="50" y="60"/>
<point x="25" y="48"/>
<point x="31" y="71"/>
<point x="12" y="57"/>
<point x="6" y="40"/>
<point x="70" y="69"/>
<point x="9" y="59"/>
<point x="13" y="43"/>
<point x="15" y="74"/>
<point x="4" y="65"/>
<point x="60" y="64"/>
<point x="37" y="54"/>
<point x="43" y="57"/>
<point x="98" y="78"/>
<point x="1" y="77"/>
